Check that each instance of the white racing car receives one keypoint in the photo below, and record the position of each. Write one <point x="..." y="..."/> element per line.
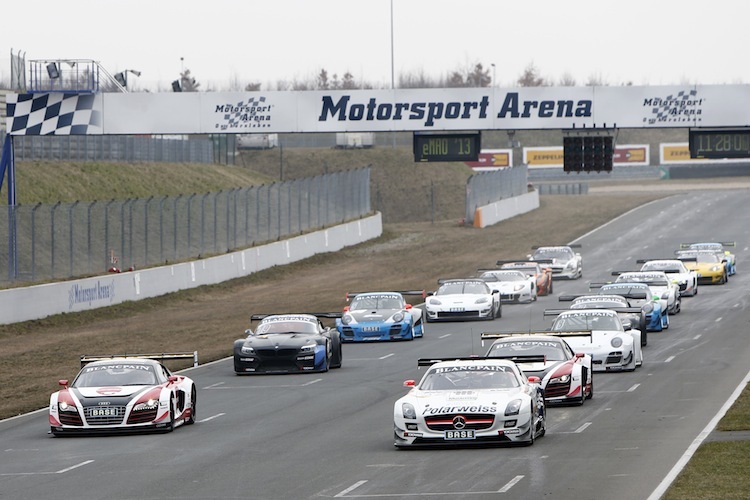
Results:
<point x="567" y="376"/>
<point x="463" y="299"/>
<point x="687" y="279"/>
<point x="659" y="283"/>
<point x="513" y="285"/>
<point x="608" y="343"/>
<point x="565" y="262"/>
<point x="470" y="401"/>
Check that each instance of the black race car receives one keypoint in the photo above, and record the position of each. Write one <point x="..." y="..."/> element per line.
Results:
<point x="288" y="343"/>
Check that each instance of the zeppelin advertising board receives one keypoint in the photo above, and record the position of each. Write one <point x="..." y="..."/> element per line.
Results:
<point x="624" y="155"/>
<point x="461" y="109"/>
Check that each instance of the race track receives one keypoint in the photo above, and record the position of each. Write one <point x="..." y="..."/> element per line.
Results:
<point x="329" y="435"/>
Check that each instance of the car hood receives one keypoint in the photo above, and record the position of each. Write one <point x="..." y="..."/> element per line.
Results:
<point x="370" y="315"/>
<point x="461" y="298"/>
<point x="468" y="401"/>
<point x="281" y="339"/>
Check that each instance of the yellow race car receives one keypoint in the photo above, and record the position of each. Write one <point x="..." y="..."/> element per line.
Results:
<point x="709" y="267"/>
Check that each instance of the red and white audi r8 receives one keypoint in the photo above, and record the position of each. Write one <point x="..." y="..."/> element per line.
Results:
<point x="123" y="394"/>
<point x="566" y="376"/>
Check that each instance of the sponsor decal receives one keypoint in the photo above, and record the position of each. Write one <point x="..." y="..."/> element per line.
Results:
<point x="289" y="317"/>
<point x="682" y="107"/>
<point x="253" y="113"/>
<point x="108" y="391"/>
<point x="117" y="367"/>
<point x="589" y="314"/>
<point x="527" y="343"/>
<point x="513" y="107"/>
<point x="472" y="368"/>
<point x="512" y="431"/>
<point x="79" y="294"/>
<point x="459" y="409"/>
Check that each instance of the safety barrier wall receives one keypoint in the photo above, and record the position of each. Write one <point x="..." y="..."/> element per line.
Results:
<point x="40" y="301"/>
<point x="493" y="213"/>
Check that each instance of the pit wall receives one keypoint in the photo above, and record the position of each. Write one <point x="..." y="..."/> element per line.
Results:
<point x="40" y="301"/>
<point x="493" y="213"/>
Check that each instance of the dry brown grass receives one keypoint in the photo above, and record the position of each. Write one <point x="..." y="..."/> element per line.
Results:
<point x="36" y="354"/>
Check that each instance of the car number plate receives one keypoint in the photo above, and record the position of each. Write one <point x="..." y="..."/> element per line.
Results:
<point x="457" y="309"/>
<point x="370" y="328"/>
<point x="103" y="412"/>
<point x="462" y="434"/>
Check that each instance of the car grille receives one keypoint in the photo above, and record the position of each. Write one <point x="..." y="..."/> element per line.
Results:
<point x="510" y="296"/>
<point x="614" y="357"/>
<point x="556" y="390"/>
<point x="275" y="353"/>
<point x="462" y="314"/>
<point x="347" y="331"/>
<point x="476" y="421"/>
<point x="140" y="417"/>
<point x="119" y="414"/>
<point x="70" y="418"/>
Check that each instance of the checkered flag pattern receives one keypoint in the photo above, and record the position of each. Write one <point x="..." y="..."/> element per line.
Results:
<point x="55" y="114"/>
<point x="238" y="117"/>
<point x="671" y="102"/>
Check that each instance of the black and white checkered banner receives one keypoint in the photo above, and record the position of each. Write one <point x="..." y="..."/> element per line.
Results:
<point x="55" y="114"/>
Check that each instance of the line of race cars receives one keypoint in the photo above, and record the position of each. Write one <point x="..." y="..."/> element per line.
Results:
<point x="500" y="397"/>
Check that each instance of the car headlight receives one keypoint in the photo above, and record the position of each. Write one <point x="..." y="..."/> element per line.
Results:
<point x="246" y="349"/>
<point x="408" y="411"/>
<point x="65" y="406"/>
<point x="399" y="316"/>
<point x="570" y="265"/>
<point x="513" y="407"/>
<point x="616" y="342"/>
<point x="146" y="405"/>
<point x="434" y="302"/>
<point x="518" y="287"/>
<point x="562" y="379"/>
<point x="665" y="295"/>
<point x="647" y="308"/>
<point x="482" y="300"/>
<point x="347" y="318"/>
<point x="307" y="348"/>
<point x="715" y="268"/>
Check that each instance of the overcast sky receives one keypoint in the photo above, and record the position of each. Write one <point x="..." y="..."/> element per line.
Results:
<point x="646" y="42"/>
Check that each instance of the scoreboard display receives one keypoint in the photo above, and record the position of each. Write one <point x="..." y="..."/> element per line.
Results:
<point x="719" y="143"/>
<point x="457" y="146"/>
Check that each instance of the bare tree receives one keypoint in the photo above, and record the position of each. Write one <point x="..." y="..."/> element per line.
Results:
<point x="567" y="80"/>
<point x="252" y="87"/>
<point x="187" y="82"/>
<point x="478" y="77"/>
<point x="322" y="82"/>
<point x="530" y="77"/>
<point x="348" y="82"/>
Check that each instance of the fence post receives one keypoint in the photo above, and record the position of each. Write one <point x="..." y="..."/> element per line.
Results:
<point x="106" y="232"/>
<point x="33" y="240"/>
<point x="145" y="231"/>
<point x="71" y="208"/>
<point x="176" y="200"/>
<point x="52" y="238"/>
<point x="189" y="224"/>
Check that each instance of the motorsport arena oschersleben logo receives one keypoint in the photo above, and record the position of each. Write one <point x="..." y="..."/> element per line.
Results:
<point x="683" y="107"/>
<point x="244" y="115"/>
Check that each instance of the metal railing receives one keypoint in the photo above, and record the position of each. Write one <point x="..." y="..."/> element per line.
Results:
<point x="67" y="240"/>
<point x="485" y="188"/>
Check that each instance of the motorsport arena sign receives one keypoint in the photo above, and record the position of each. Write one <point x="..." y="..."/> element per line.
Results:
<point x="404" y="110"/>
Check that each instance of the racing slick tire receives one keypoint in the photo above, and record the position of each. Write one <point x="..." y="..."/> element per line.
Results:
<point x="632" y="365"/>
<point x="170" y="425"/>
<point x="584" y="397"/>
<point x="499" y="312"/>
<point x="591" y="389"/>
<point x="551" y="287"/>
<point x="336" y="352"/>
<point x="193" y="404"/>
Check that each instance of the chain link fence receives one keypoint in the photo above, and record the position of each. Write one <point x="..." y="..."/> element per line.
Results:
<point x="485" y="188"/>
<point x="68" y="240"/>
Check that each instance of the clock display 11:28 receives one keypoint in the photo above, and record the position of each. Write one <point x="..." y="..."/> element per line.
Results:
<point x="719" y="143"/>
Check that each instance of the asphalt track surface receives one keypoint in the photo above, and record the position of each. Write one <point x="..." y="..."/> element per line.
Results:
<point x="329" y="435"/>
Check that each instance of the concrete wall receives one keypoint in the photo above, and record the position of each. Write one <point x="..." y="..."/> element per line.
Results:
<point x="505" y="209"/>
<point x="40" y="301"/>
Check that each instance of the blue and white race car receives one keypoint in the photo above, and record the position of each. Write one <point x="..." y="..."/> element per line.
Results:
<point x="639" y="295"/>
<point x="374" y="316"/>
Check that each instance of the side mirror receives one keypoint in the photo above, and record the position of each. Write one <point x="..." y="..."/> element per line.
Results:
<point x="63" y="382"/>
<point x="534" y="380"/>
<point x="409" y="383"/>
<point x="346" y="308"/>
<point x="172" y="379"/>
<point x="248" y="332"/>
<point x="579" y="355"/>
<point x="408" y="306"/>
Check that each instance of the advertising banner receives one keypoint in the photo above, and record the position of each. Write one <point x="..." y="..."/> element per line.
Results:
<point x="492" y="159"/>
<point x="679" y="152"/>
<point x="624" y="155"/>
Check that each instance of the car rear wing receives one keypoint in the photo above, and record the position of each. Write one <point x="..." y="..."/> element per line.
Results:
<point x="571" y="245"/>
<point x="722" y="243"/>
<point x="571" y="297"/>
<point x="330" y="315"/>
<point x="162" y="356"/>
<point x="524" y="261"/>
<point x="432" y="361"/>
<point x="677" y="257"/>
<point x="504" y="335"/>
<point x="554" y="312"/>
<point x="422" y="293"/>
<point x="522" y="358"/>
<point x="577" y="333"/>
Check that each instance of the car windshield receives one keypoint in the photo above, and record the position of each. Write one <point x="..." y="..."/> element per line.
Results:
<point x="591" y="321"/>
<point x="597" y="304"/>
<point x="648" y="279"/>
<point x="553" y="253"/>
<point x="116" y="374"/>
<point x="667" y="268"/>
<point x="461" y="287"/>
<point x="469" y="378"/>
<point x="625" y="289"/>
<point x="286" y="327"/>
<point x="507" y="276"/>
<point x="550" y="349"/>
<point x="376" y="302"/>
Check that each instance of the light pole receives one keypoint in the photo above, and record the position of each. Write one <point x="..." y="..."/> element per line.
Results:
<point x="393" y="78"/>
<point x="493" y="74"/>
